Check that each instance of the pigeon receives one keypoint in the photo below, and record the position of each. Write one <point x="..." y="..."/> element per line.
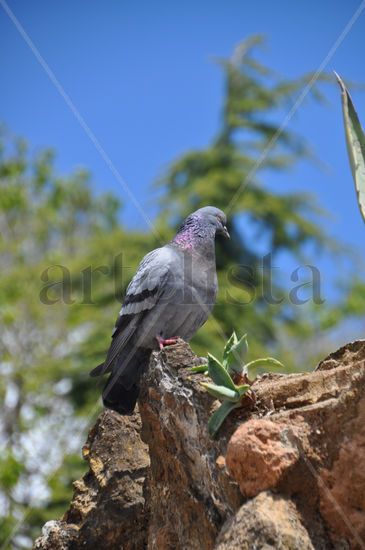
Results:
<point x="170" y="297"/>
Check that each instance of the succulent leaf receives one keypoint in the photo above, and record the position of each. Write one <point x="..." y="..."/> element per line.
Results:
<point x="218" y="417"/>
<point x="242" y="389"/>
<point x="355" y="141"/>
<point x="224" y="387"/>
<point x="221" y="392"/>
<point x="218" y="373"/>
<point x="231" y="360"/>
<point x="199" y="368"/>
<point x="242" y="341"/>
<point x="266" y="362"/>
<point x="227" y="348"/>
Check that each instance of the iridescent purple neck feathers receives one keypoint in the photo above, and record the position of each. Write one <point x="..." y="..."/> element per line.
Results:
<point x="194" y="234"/>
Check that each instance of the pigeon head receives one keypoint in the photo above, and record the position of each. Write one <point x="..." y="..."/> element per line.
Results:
<point x="205" y="224"/>
<point x="211" y="218"/>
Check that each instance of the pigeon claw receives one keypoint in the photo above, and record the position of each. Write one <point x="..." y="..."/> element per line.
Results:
<point x="162" y="342"/>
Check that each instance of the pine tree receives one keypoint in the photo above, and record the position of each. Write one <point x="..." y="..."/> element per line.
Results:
<point x="230" y="174"/>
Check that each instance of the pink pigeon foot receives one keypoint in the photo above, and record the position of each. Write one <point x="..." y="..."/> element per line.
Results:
<point x="162" y="342"/>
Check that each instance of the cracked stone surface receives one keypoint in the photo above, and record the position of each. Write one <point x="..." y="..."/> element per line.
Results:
<point x="286" y="472"/>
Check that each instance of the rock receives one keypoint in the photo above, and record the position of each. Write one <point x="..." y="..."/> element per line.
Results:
<point x="348" y="355"/>
<point x="259" y="453"/>
<point x="323" y="413"/>
<point x="286" y="470"/>
<point x="107" y="510"/>
<point x="263" y="523"/>
<point x="342" y="494"/>
<point x="190" y="494"/>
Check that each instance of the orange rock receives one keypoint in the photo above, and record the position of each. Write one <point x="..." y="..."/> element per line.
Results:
<point x="259" y="453"/>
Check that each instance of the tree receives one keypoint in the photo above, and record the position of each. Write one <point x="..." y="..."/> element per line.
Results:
<point x="66" y="259"/>
<point x="229" y="173"/>
<point x="60" y="249"/>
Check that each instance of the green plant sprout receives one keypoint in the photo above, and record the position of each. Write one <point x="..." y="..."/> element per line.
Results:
<point x="355" y="141"/>
<point x="230" y="378"/>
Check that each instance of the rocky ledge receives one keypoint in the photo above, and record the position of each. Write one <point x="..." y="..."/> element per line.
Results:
<point x="286" y="471"/>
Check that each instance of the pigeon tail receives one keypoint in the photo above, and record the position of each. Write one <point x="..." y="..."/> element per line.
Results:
<point x="98" y="371"/>
<point x="122" y="388"/>
<point x="118" y="398"/>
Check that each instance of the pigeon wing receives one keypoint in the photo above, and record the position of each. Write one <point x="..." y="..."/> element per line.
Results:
<point x="143" y="292"/>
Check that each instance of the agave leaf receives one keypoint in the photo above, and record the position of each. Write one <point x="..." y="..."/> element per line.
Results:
<point x="233" y="362"/>
<point x="199" y="368"/>
<point x="221" y="392"/>
<point x="239" y="343"/>
<point x="242" y="389"/>
<point x="218" y="373"/>
<point x="266" y="362"/>
<point x="227" y="348"/>
<point x="355" y="141"/>
<point x="218" y="417"/>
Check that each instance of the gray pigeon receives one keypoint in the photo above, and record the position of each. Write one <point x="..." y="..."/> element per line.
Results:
<point x="170" y="296"/>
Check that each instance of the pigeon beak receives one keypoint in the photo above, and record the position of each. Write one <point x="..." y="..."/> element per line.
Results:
<point x="225" y="232"/>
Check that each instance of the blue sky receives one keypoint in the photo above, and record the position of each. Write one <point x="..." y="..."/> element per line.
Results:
<point x="142" y="75"/>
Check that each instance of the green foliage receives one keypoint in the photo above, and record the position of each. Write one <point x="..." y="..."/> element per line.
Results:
<point x="266" y="363"/>
<point x="355" y="141"/>
<point x="219" y="416"/>
<point x="10" y="471"/>
<point x="60" y="485"/>
<point x="233" y="349"/>
<point x="229" y="173"/>
<point x="65" y="259"/>
<point x="223" y="374"/>
<point x="222" y="392"/>
<point x="219" y="373"/>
